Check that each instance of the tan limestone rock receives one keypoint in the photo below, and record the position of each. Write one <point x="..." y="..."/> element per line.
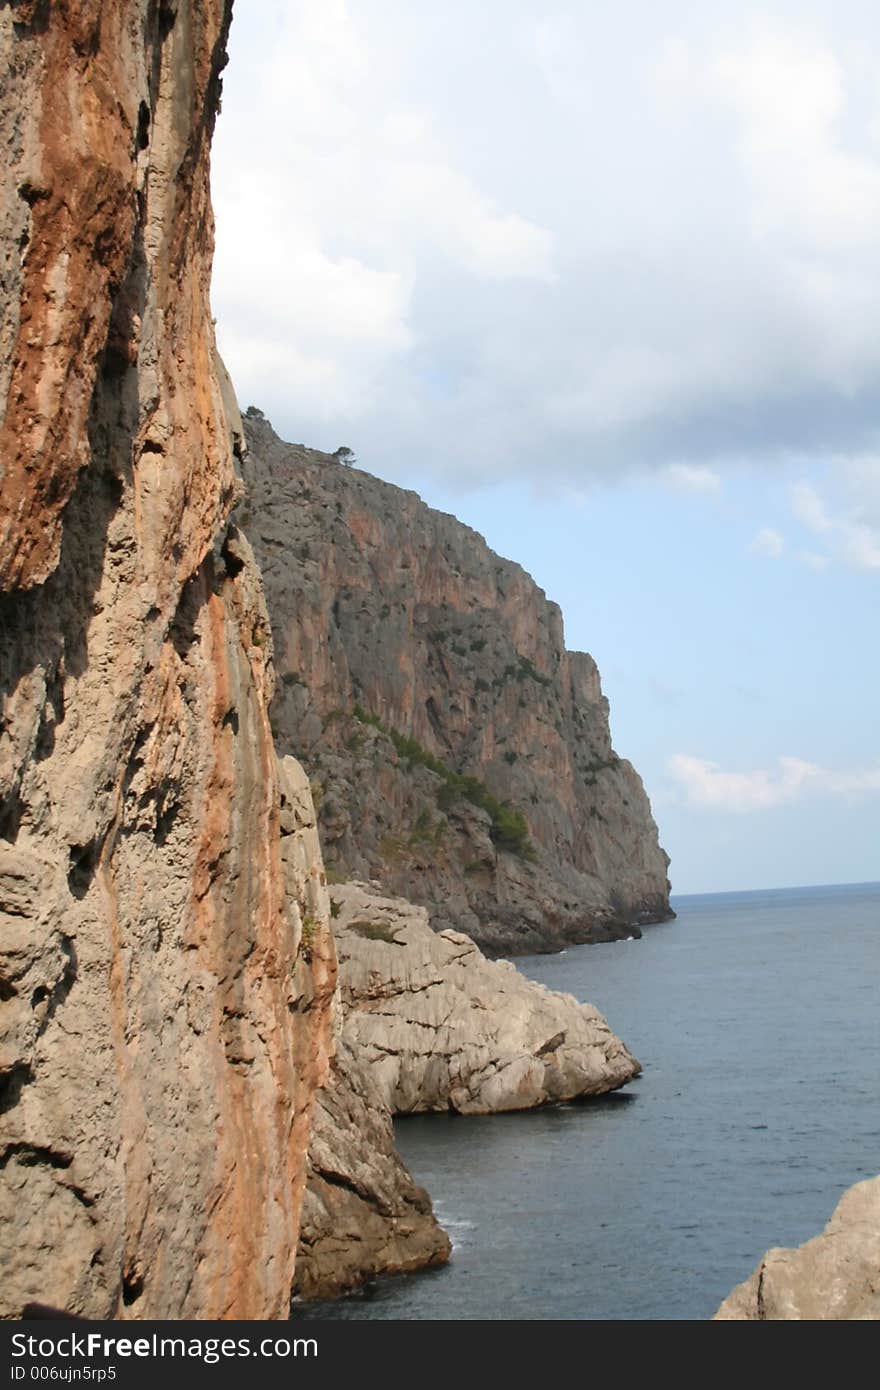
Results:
<point x="362" y="1214"/>
<point x="441" y="1027"/>
<point x="426" y="1023"/>
<point x="161" y="1030"/>
<point x="834" y="1276"/>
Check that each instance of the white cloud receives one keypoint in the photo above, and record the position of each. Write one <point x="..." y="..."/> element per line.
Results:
<point x="566" y="242"/>
<point x="330" y="198"/>
<point x="788" y="87"/>
<point x="850" y="522"/>
<point x="705" y="783"/>
<point x="861" y="547"/>
<point x="688" y="477"/>
<point x="809" y="509"/>
<point x="768" y="542"/>
<point x="673" y="70"/>
<point x="813" y="559"/>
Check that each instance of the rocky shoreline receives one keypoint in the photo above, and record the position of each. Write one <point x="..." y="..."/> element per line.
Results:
<point x="426" y="1023"/>
<point x="167" y="968"/>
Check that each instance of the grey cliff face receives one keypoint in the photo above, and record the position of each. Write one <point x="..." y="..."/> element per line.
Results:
<point x="426" y="1023"/>
<point x="384" y="609"/>
<point x="835" y="1276"/>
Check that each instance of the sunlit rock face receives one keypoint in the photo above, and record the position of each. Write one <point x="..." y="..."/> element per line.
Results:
<point x="162" y="1028"/>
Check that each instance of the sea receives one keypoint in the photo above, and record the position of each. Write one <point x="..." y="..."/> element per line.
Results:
<point x="755" y="1017"/>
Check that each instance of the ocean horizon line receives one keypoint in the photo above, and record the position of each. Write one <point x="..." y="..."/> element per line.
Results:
<point x="787" y="888"/>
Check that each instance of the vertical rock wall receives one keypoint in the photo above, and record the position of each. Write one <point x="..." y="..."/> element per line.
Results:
<point x="163" y="1028"/>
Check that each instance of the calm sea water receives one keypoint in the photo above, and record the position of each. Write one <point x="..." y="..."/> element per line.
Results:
<point x="755" y="1016"/>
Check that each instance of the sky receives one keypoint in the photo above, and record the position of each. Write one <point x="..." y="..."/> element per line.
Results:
<point x="604" y="282"/>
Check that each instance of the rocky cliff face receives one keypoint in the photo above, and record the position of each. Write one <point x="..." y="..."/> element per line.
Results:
<point x="455" y="663"/>
<point x="164" y="1027"/>
<point x="834" y="1277"/>
<point x="427" y="1023"/>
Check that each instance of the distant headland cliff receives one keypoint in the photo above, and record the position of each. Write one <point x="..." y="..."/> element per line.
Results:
<point x="459" y="753"/>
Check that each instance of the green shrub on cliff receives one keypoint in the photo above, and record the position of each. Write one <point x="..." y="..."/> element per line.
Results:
<point x="508" y="829"/>
<point x="526" y="668"/>
<point x="310" y="925"/>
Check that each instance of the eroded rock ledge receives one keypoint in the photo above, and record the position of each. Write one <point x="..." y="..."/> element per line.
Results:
<point x="427" y="1023"/>
<point x="835" y="1276"/>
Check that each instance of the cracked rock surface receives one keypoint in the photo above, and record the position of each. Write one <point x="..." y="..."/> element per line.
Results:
<point x="835" y="1276"/>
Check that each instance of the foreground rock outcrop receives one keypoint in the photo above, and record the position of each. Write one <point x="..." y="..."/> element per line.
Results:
<point x="166" y="969"/>
<point x="834" y="1276"/>
<point x="427" y="1023"/>
<point x="362" y="1214"/>
<point x="461" y="755"/>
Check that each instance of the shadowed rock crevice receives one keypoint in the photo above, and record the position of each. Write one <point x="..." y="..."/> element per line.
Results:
<point x="83" y="862"/>
<point x="27" y="1154"/>
<point x="45" y="629"/>
<point x="132" y="1287"/>
<point x="47" y="1001"/>
<point x="12" y="1080"/>
<point x="31" y="17"/>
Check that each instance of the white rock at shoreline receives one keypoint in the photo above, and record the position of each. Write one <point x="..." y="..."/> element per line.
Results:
<point x="441" y="1027"/>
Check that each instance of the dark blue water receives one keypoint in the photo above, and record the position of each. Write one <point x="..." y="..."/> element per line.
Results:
<point x="755" y="1016"/>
